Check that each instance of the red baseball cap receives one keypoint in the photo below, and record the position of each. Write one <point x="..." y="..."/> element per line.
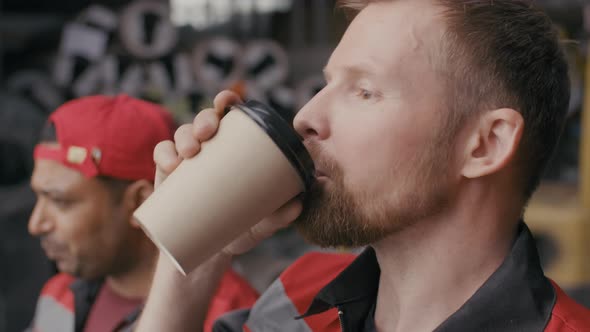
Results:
<point x="109" y="136"/>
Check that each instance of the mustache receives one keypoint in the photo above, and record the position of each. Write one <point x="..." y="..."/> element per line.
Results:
<point x="322" y="162"/>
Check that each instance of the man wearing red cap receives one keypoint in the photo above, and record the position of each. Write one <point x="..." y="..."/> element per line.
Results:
<point x="93" y="168"/>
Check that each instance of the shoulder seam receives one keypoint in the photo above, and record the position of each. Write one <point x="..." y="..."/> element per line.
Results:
<point x="567" y="325"/>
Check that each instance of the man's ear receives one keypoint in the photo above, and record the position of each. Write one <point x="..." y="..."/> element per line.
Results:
<point x="492" y="142"/>
<point x="135" y="194"/>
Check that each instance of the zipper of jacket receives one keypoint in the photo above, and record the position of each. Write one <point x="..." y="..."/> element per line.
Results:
<point x="340" y="319"/>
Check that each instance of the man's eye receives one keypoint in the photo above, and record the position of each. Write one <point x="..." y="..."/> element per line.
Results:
<point x="365" y="94"/>
<point x="61" y="203"/>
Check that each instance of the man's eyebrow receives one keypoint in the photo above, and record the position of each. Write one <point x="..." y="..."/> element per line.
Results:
<point x="47" y="192"/>
<point x="356" y="70"/>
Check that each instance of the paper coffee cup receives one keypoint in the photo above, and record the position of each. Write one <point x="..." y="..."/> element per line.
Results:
<point x="253" y="165"/>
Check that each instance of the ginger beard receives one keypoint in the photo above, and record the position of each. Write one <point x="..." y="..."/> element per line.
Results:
<point x="335" y="214"/>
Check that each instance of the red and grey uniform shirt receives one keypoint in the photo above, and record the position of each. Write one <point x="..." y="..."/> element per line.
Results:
<point x="334" y="292"/>
<point x="65" y="303"/>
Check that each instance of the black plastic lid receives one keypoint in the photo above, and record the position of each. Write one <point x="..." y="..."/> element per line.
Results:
<point x="284" y="135"/>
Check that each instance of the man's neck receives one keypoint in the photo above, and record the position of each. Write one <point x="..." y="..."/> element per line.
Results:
<point x="429" y="270"/>
<point x="135" y="283"/>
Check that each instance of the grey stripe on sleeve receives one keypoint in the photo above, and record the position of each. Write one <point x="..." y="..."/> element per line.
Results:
<point x="51" y="316"/>
<point x="274" y="311"/>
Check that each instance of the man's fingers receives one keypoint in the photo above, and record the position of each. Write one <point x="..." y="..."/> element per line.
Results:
<point x="205" y="124"/>
<point x="166" y="159"/>
<point x="282" y="218"/>
<point x="165" y="156"/>
<point x="186" y="145"/>
<point x="225" y="99"/>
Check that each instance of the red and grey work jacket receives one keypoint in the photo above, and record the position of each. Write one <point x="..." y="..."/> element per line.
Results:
<point x="333" y="292"/>
<point x="65" y="303"/>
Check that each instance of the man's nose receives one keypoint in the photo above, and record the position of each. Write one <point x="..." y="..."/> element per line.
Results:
<point x="312" y="121"/>
<point x="39" y="222"/>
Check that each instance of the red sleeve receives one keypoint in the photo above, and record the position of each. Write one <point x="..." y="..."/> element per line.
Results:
<point x="306" y="277"/>
<point x="567" y="315"/>
<point x="58" y="288"/>
<point x="234" y="293"/>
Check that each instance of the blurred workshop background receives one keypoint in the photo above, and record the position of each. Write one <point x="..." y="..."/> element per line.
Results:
<point x="180" y="53"/>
